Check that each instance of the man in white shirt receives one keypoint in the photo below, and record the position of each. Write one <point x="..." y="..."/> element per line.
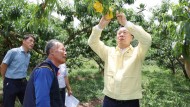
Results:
<point x="63" y="81"/>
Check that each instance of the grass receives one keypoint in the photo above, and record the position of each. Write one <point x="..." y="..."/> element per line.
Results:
<point x="160" y="87"/>
<point x="87" y="85"/>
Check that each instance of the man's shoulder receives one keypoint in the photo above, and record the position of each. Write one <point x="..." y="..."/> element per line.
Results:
<point x="13" y="51"/>
<point x="43" y="70"/>
<point x="44" y="66"/>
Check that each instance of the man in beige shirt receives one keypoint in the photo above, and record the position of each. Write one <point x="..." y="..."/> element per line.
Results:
<point x="122" y="72"/>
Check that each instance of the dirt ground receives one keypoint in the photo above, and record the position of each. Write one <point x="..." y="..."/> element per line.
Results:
<point x="88" y="104"/>
<point x="91" y="103"/>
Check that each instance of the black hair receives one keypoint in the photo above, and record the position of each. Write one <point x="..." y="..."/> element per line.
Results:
<point x="26" y="36"/>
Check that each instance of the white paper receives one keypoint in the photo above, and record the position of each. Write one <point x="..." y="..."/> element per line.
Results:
<point x="71" y="101"/>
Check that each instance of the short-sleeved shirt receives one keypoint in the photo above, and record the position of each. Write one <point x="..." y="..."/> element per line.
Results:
<point x="62" y="73"/>
<point x="17" y="61"/>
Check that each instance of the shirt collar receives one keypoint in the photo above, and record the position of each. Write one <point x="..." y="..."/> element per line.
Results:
<point x="22" y="49"/>
<point x="125" y="49"/>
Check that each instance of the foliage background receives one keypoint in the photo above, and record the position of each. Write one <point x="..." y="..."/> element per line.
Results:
<point x="164" y="81"/>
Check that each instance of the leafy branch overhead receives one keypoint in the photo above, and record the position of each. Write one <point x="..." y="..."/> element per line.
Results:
<point x="105" y="7"/>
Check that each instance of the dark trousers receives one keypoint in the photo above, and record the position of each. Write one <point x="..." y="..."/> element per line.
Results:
<point x="62" y="93"/>
<point x="109" y="102"/>
<point x="13" y="88"/>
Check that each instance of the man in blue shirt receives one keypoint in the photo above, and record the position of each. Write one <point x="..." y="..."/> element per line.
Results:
<point x="42" y="88"/>
<point x="14" y="71"/>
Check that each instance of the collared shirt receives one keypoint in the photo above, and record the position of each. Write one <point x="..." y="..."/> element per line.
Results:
<point x="17" y="60"/>
<point x="43" y="78"/>
<point x="62" y="73"/>
<point x="122" y="70"/>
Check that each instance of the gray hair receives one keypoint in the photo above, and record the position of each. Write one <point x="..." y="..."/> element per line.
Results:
<point x="50" y="44"/>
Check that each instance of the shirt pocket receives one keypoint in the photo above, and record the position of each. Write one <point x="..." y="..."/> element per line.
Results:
<point x="130" y="85"/>
<point x="109" y="83"/>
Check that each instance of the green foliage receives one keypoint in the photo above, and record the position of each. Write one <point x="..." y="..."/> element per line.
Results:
<point x="30" y="18"/>
<point x="177" y="49"/>
<point x="19" y="17"/>
<point x="182" y="16"/>
<point x="170" y="33"/>
<point x="36" y="18"/>
<point x="108" y="6"/>
<point x="164" y="89"/>
<point x="159" y="88"/>
<point x="87" y="84"/>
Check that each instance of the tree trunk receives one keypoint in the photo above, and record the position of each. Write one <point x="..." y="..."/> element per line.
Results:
<point x="187" y="67"/>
